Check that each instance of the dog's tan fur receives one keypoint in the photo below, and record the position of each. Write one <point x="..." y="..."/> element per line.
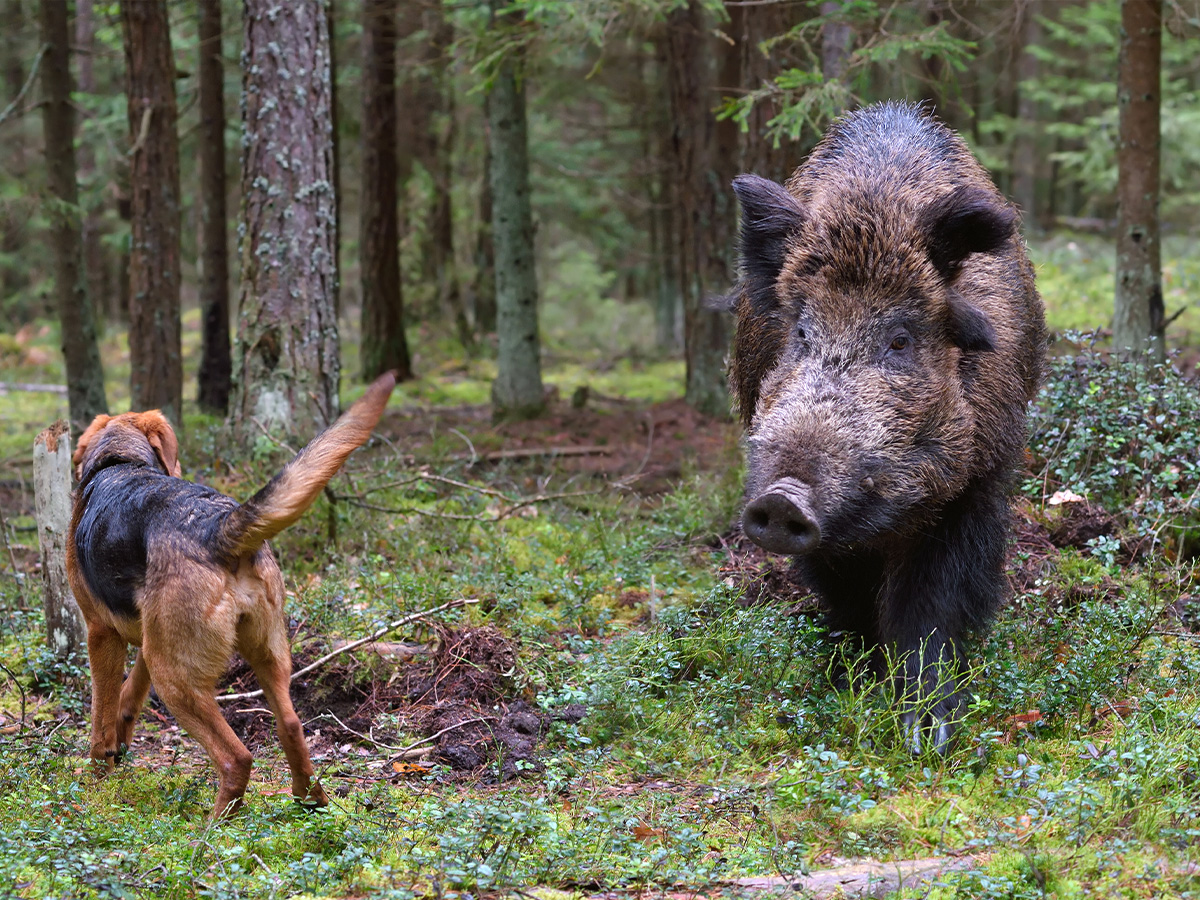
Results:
<point x="196" y="606"/>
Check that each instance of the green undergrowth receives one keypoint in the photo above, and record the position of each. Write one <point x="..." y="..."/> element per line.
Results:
<point x="1075" y="279"/>
<point x="723" y="739"/>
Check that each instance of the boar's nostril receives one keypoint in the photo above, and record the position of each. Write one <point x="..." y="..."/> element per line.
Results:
<point x="781" y="519"/>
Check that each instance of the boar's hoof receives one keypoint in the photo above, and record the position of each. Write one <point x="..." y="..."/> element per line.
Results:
<point x="936" y="730"/>
<point x="781" y="519"/>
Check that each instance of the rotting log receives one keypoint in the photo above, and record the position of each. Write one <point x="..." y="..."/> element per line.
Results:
<point x="65" y="632"/>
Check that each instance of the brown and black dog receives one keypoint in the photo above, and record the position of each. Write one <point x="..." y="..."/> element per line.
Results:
<point x="185" y="574"/>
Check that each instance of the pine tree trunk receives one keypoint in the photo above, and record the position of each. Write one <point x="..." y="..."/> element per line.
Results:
<point x="668" y="299"/>
<point x="1138" y="308"/>
<point x="704" y="204"/>
<point x="336" y="156"/>
<point x="483" y="285"/>
<point x="155" y="354"/>
<point x="1025" y="145"/>
<point x="85" y="378"/>
<point x="441" y="214"/>
<point x="95" y="260"/>
<point x="286" y="356"/>
<point x="836" y="39"/>
<point x="216" y="366"/>
<point x="383" y="343"/>
<point x="754" y="24"/>
<point x="517" y="391"/>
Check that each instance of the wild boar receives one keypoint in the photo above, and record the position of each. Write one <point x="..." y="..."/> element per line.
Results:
<point x="889" y="338"/>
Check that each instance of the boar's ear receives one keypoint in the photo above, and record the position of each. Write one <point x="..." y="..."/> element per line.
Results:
<point x="967" y="220"/>
<point x="970" y="329"/>
<point x="769" y="214"/>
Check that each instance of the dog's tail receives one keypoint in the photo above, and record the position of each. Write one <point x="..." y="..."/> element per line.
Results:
<point x="292" y="491"/>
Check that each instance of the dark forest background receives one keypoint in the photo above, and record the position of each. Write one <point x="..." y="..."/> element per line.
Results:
<point x="638" y="112"/>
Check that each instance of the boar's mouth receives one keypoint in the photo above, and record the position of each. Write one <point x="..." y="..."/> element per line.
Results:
<point x="781" y="519"/>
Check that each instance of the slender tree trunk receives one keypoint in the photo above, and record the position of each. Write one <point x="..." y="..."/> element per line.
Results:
<point x="441" y="214"/>
<point x="336" y="155"/>
<point x="383" y="343"/>
<point x="664" y="245"/>
<point x="13" y="277"/>
<point x="752" y="25"/>
<point x="95" y="262"/>
<point x="836" y="39"/>
<point x="1138" y="309"/>
<point x="216" y="365"/>
<point x="155" y="354"/>
<point x="704" y="205"/>
<point x="286" y="357"/>
<point x="483" y="285"/>
<point x="85" y="378"/>
<point x="1025" y="148"/>
<point x="517" y="391"/>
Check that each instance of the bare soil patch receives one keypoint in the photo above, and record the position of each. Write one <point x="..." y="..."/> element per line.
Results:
<point x="648" y="445"/>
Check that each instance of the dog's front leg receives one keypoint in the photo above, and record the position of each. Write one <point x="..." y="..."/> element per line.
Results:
<point x="106" y="657"/>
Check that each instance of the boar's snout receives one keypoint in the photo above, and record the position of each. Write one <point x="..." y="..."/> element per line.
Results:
<point x="781" y="519"/>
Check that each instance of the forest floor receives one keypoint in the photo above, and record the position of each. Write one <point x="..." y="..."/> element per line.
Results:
<point x="625" y="698"/>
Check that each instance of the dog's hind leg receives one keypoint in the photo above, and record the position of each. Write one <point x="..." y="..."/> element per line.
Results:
<point x="106" y="658"/>
<point x="133" y="698"/>
<point x="195" y="708"/>
<point x="273" y="670"/>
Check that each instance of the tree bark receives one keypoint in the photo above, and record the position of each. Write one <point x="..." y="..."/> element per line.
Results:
<point x="286" y="356"/>
<point x="155" y="353"/>
<point x="483" y="285"/>
<point x="383" y="342"/>
<point x="336" y="156"/>
<point x="836" y="38"/>
<point x="216" y="365"/>
<point x="440" y="254"/>
<point x="1138" y="307"/>
<point x="85" y="377"/>
<point x="703" y="202"/>
<point x="664" y="244"/>
<point x="95" y="261"/>
<point x="517" y="391"/>
<point x="1025" y="148"/>
<point x="66" y="633"/>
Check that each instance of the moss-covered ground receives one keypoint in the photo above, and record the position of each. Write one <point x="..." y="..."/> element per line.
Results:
<point x="687" y="727"/>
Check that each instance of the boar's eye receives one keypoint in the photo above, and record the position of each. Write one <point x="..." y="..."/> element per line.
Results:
<point x="802" y="338"/>
<point x="899" y="347"/>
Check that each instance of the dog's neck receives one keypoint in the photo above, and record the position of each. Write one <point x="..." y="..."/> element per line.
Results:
<point x="118" y="447"/>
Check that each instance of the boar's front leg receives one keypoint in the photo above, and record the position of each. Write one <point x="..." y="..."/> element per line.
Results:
<point x="949" y="581"/>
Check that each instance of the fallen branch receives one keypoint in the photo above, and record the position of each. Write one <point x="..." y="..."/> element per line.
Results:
<point x="865" y="878"/>
<point x="511" y="505"/>
<point x="411" y="751"/>
<point x="530" y="452"/>
<point x="453" y="604"/>
<point x="31" y="387"/>
<point x="433" y="737"/>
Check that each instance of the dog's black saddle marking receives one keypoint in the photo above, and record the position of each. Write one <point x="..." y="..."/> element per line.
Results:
<point x="133" y="517"/>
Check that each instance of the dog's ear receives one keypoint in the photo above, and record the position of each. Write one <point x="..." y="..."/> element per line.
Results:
<point x="85" y="441"/>
<point x="161" y="436"/>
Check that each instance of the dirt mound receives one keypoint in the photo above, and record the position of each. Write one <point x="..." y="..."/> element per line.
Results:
<point x="464" y="698"/>
<point x="759" y="576"/>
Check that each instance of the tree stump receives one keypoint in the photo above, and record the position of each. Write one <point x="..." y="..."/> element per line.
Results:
<point x="65" y="630"/>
